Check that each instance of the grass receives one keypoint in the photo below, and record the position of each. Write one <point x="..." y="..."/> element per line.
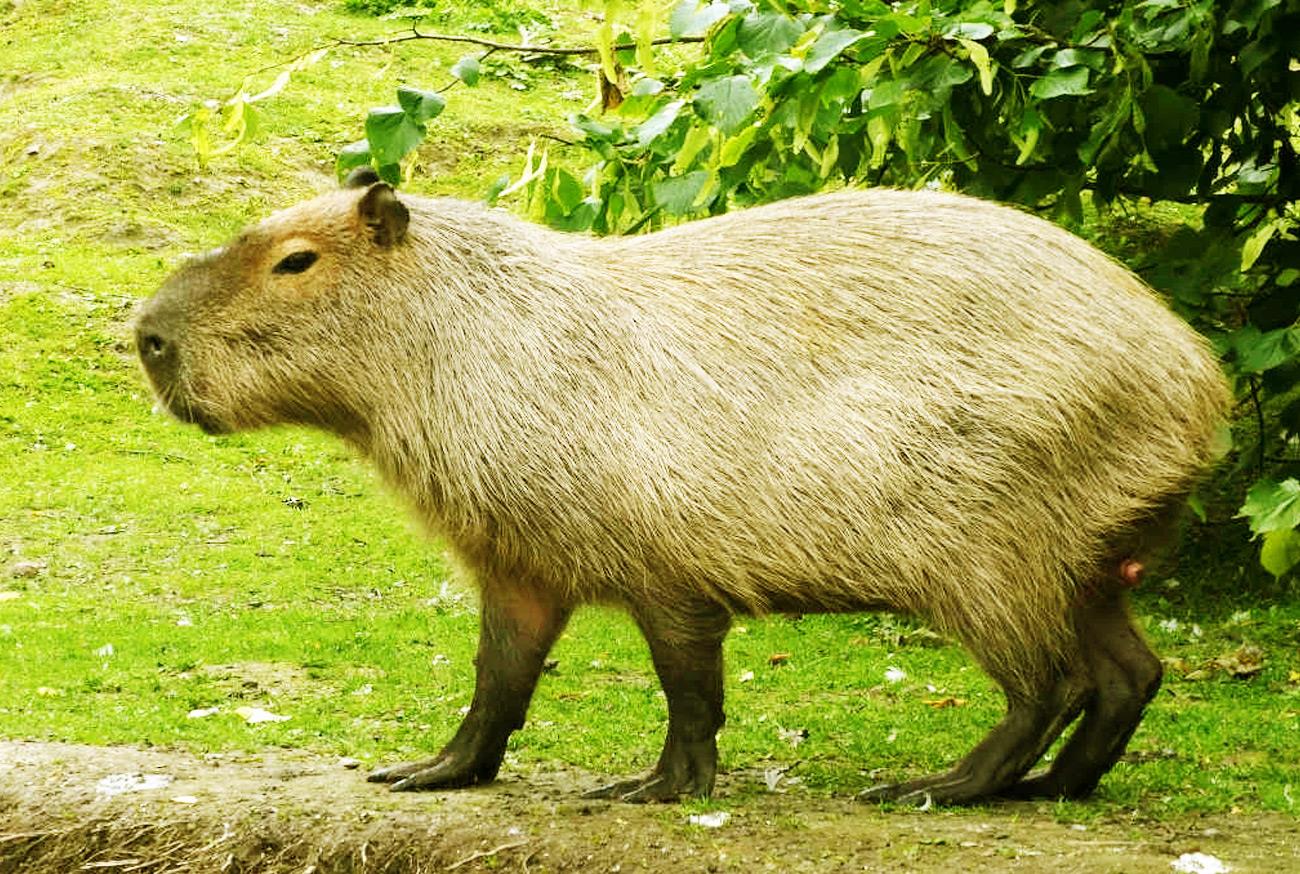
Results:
<point x="147" y="571"/>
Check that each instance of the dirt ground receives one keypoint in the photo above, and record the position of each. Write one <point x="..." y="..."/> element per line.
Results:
<point x="70" y="808"/>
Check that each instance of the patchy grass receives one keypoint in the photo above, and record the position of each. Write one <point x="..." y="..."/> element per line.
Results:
<point x="147" y="571"/>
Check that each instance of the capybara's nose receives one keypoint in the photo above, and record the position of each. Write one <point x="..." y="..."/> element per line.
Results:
<point x="152" y="345"/>
<point x="156" y="345"/>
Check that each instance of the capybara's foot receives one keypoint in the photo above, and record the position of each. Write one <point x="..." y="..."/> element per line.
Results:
<point x="946" y="788"/>
<point x="685" y="769"/>
<point x="442" y="772"/>
<point x="1041" y="784"/>
<point x="653" y="787"/>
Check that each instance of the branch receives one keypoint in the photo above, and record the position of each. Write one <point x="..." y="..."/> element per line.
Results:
<point x="1259" y="422"/>
<point x="485" y="854"/>
<point x="1263" y="199"/>
<point x="416" y="33"/>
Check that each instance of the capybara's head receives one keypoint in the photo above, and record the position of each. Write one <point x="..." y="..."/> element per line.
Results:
<point x="263" y="329"/>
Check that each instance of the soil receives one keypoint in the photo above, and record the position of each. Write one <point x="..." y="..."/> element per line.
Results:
<point x="283" y="811"/>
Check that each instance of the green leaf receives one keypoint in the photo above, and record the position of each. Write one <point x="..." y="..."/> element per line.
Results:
<point x="1272" y="506"/>
<point x="566" y="190"/>
<point x="844" y="84"/>
<point x="648" y="130"/>
<point x="1074" y="57"/>
<point x="880" y="131"/>
<point x="1168" y="116"/>
<point x="1280" y="552"/>
<point x="646" y="87"/>
<point x="696" y="139"/>
<point x="979" y="56"/>
<point x="351" y="156"/>
<point x="1031" y="125"/>
<point x="392" y="133"/>
<point x="495" y="189"/>
<point x="726" y="103"/>
<point x="420" y="105"/>
<point x="1258" y="351"/>
<point x="688" y="19"/>
<point x="1062" y="83"/>
<point x="677" y="194"/>
<point x="733" y="149"/>
<point x="970" y="30"/>
<point x="591" y="127"/>
<point x="768" y="33"/>
<point x="467" y="70"/>
<point x="887" y="93"/>
<point x="1102" y="131"/>
<point x="1028" y="57"/>
<point x="1255" y="243"/>
<point x="828" y="46"/>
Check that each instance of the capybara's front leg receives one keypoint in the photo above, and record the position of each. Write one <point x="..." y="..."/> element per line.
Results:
<point x="686" y="647"/>
<point x="518" y="627"/>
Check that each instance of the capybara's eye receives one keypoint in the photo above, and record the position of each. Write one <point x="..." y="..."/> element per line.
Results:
<point x="295" y="263"/>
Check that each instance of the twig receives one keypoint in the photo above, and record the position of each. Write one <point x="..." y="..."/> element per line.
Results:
<point x="416" y="33"/>
<point x="1259" y="421"/>
<point x="560" y="140"/>
<point x="483" y="854"/>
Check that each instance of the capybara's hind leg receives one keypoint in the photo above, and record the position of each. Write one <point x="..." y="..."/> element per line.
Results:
<point x="1125" y="677"/>
<point x="517" y="628"/>
<point x="1032" y="722"/>
<point x="686" y="648"/>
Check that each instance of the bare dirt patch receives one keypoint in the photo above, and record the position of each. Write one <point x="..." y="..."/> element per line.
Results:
<point x="62" y="809"/>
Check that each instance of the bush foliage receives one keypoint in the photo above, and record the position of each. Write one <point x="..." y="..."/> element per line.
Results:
<point x="1047" y="105"/>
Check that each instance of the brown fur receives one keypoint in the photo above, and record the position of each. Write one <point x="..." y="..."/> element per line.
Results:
<point x="912" y="401"/>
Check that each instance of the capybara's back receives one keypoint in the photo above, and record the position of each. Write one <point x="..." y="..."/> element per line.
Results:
<point x="896" y="400"/>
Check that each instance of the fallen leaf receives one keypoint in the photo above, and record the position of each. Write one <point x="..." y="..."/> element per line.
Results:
<point x="940" y="703"/>
<point x="1247" y="661"/>
<point x="778" y="658"/>
<point x="1199" y="863"/>
<point x="716" y="819"/>
<point x="792" y="736"/>
<point x="1176" y="664"/>
<point x="255" y="715"/>
<point x="116" y="784"/>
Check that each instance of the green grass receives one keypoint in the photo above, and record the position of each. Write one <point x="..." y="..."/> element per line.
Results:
<point x="271" y="570"/>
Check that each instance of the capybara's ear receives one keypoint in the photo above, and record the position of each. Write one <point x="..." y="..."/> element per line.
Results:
<point x="361" y="177"/>
<point x="384" y="214"/>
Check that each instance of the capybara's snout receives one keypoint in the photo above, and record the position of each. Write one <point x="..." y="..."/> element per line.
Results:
<point x="157" y="343"/>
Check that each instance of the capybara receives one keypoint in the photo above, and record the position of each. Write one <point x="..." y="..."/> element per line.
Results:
<point x="867" y="400"/>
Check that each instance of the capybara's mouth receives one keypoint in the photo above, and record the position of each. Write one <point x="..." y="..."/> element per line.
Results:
<point x="208" y="424"/>
<point x="173" y="400"/>
<point x="193" y="414"/>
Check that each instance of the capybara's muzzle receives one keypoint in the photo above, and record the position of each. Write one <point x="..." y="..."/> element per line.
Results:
<point x="156" y="343"/>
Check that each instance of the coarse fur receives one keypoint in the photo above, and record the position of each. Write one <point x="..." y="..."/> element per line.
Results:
<point x="901" y="400"/>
